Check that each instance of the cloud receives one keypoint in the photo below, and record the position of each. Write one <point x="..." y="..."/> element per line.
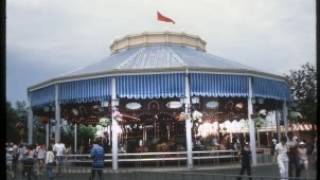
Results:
<point x="53" y="37"/>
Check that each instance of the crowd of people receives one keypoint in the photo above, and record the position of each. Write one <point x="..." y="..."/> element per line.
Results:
<point x="293" y="155"/>
<point x="33" y="160"/>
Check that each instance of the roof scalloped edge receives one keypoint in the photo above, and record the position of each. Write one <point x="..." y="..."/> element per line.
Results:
<point x="154" y="71"/>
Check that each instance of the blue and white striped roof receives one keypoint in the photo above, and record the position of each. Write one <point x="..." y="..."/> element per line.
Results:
<point x="153" y="70"/>
<point x="160" y="56"/>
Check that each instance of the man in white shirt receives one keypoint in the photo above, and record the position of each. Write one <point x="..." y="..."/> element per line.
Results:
<point x="292" y="153"/>
<point x="281" y="150"/>
<point x="59" y="148"/>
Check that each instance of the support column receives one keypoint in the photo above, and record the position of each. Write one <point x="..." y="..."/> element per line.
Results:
<point x="278" y="117"/>
<point x="75" y="138"/>
<point x="188" y="122"/>
<point x="258" y="138"/>
<point x="57" y="115"/>
<point x="47" y="134"/>
<point x="252" y="126"/>
<point x="30" y="122"/>
<point x="114" y="127"/>
<point x="285" y="117"/>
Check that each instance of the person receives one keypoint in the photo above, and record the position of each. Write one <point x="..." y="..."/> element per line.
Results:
<point x="15" y="159"/>
<point x="302" y="158"/>
<point x="245" y="156"/>
<point x="59" y="148"/>
<point x="97" y="155"/>
<point x="41" y="152"/>
<point x="314" y="154"/>
<point x="292" y="154"/>
<point x="273" y="145"/>
<point x="281" y="150"/>
<point x="22" y="149"/>
<point x="28" y="163"/>
<point x="49" y="161"/>
<point x="9" y="161"/>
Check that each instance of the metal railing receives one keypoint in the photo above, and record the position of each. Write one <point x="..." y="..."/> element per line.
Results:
<point x="160" y="158"/>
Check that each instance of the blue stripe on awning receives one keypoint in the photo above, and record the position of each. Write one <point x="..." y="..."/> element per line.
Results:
<point x="151" y="86"/>
<point x="218" y="85"/>
<point x="43" y="96"/>
<point x="267" y="88"/>
<point x="85" y="90"/>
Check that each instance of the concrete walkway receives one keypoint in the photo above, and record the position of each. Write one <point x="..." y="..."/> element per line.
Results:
<point x="221" y="172"/>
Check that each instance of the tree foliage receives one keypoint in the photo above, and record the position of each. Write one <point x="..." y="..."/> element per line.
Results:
<point x="87" y="132"/>
<point x="303" y="83"/>
<point x="16" y="115"/>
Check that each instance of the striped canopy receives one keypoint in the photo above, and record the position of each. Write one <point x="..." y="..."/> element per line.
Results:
<point x="162" y="85"/>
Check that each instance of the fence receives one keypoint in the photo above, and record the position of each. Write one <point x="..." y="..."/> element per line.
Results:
<point x="77" y="164"/>
<point x="158" y="159"/>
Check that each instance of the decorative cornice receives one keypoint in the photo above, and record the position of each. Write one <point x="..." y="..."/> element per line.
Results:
<point x="147" y="38"/>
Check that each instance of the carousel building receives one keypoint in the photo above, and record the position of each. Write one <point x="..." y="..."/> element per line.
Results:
<point x="160" y="88"/>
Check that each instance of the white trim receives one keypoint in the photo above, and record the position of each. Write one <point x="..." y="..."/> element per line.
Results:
<point x="240" y="74"/>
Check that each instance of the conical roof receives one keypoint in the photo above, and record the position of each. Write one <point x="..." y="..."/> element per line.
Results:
<point x="158" y="52"/>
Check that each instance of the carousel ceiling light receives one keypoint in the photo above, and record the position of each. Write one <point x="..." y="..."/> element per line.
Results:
<point x="212" y="104"/>
<point x="133" y="106"/>
<point x="174" y="105"/>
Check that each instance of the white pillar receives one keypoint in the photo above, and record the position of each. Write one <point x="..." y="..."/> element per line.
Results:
<point x="285" y="117"/>
<point x="47" y="134"/>
<point x="251" y="126"/>
<point x="188" y="123"/>
<point x="114" y="127"/>
<point x="278" y="117"/>
<point x="57" y="115"/>
<point x="30" y="122"/>
<point x="75" y="138"/>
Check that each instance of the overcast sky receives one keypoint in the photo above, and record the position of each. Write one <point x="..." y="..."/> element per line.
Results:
<point x="46" y="38"/>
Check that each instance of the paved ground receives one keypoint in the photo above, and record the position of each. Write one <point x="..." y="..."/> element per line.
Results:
<point x="224" y="172"/>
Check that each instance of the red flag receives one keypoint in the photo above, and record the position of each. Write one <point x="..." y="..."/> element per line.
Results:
<point x="164" y="18"/>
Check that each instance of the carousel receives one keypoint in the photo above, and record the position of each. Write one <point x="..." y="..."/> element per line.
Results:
<point x="160" y="92"/>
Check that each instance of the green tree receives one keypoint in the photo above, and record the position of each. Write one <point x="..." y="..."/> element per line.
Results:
<point x="12" y="120"/>
<point x="86" y="132"/>
<point x="303" y="83"/>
